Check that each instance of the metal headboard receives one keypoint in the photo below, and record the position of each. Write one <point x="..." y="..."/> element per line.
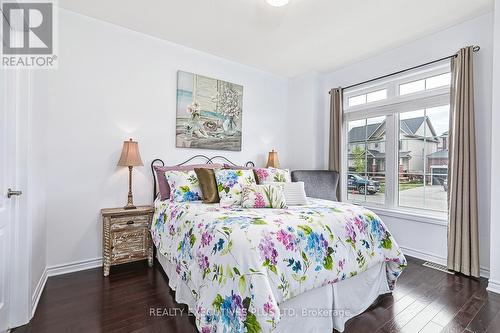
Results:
<point x="206" y="159"/>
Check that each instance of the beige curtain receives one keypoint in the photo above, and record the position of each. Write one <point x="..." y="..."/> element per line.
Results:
<point x="334" y="159"/>
<point x="463" y="248"/>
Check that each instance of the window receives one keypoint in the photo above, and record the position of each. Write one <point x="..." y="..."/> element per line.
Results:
<point x="411" y="87"/>
<point x="366" y="160"/>
<point x="376" y="96"/>
<point x="396" y="150"/>
<point x="437" y="81"/>
<point x="357" y="100"/>
<point x="423" y="158"/>
<point x="369" y="97"/>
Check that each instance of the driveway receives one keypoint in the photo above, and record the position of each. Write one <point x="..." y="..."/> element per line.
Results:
<point x="435" y="197"/>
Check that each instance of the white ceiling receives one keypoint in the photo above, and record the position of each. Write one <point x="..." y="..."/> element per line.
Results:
<point x="306" y="35"/>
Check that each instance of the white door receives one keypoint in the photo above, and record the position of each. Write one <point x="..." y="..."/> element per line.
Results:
<point x="5" y="209"/>
<point x="8" y="203"/>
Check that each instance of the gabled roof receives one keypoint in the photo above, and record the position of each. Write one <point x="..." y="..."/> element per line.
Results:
<point x="413" y="124"/>
<point x="439" y="154"/>
<point x="378" y="155"/>
<point x="360" y="133"/>
<point x="407" y="126"/>
<point x="405" y="129"/>
<point x="405" y="154"/>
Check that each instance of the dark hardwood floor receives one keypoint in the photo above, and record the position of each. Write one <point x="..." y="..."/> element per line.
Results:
<point x="425" y="300"/>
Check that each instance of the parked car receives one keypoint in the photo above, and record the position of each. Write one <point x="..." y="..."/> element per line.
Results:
<point x="355" y="182"/>
<point x="442" y="181"/>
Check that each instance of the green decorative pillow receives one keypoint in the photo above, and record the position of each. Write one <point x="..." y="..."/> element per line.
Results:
<point x="263" y="196"/>
<point x="208" y="185"/>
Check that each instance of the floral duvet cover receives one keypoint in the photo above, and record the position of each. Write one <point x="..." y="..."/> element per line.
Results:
<point x="240" y="264"/>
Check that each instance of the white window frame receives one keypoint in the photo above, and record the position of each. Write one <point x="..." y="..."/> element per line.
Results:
<point x="391" y="107"/>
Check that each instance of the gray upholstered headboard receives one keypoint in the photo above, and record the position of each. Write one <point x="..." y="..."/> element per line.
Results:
<point x="320" y="184"/>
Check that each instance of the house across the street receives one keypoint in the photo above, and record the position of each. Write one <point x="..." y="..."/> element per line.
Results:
<point x="420" y="148"/>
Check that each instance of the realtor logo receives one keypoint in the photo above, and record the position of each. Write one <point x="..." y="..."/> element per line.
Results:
<point x="28" y="34"/>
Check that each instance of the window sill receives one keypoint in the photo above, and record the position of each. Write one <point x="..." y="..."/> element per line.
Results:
<point x="423" y="216"/>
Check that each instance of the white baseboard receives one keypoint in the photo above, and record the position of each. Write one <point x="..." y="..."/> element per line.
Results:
<point x="59" y="270"/>
<point x="40" y="286"/>
<point x="423" y="255"/>
<point x="484" y="271"/>
<point x="493" y="286"/>
<point x="74" y="266"/>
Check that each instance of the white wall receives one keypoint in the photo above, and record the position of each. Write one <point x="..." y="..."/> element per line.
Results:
<point x="494" y="283"/>
<point x="112" y="84"/>
<point x="303" y="123"/>
<point x="478" y="31"/>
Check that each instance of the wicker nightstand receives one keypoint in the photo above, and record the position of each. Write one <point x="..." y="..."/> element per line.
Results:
<point x="126" y="236"/>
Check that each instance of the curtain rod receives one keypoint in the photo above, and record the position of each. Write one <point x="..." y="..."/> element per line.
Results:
<point x="475" y="49"/>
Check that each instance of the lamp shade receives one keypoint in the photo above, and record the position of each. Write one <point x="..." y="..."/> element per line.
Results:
<point x="130" y="154"/>
<point x="272" y="160"/>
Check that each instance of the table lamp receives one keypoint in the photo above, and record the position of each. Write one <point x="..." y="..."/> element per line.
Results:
<point x="130" y="157"/>
<point x="272" y="160"/>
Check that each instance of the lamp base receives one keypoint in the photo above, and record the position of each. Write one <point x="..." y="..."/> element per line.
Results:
<point x="130" y="206"/>
<point x="130" y="202"/>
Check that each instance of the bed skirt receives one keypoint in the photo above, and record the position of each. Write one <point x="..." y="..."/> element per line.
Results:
<point x="317" y="311"/>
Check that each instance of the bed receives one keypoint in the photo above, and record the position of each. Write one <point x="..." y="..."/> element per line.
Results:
<point x="302" y="268"/>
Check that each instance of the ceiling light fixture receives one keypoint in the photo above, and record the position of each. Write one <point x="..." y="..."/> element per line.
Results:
<point x="278" y="3"/>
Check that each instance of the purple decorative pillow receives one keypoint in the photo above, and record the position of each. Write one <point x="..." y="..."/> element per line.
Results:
<point x="163" y="186"/>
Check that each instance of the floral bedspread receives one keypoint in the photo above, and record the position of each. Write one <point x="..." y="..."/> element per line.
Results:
<point x="240" y="264"/>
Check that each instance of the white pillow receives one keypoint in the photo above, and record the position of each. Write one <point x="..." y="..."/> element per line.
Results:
<point x="295" y="194"/>
<point x="271" y="175"/>
<point x="230" y="183"/>
<point x="184" y="185"/>
<point x="263" y="196"/>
